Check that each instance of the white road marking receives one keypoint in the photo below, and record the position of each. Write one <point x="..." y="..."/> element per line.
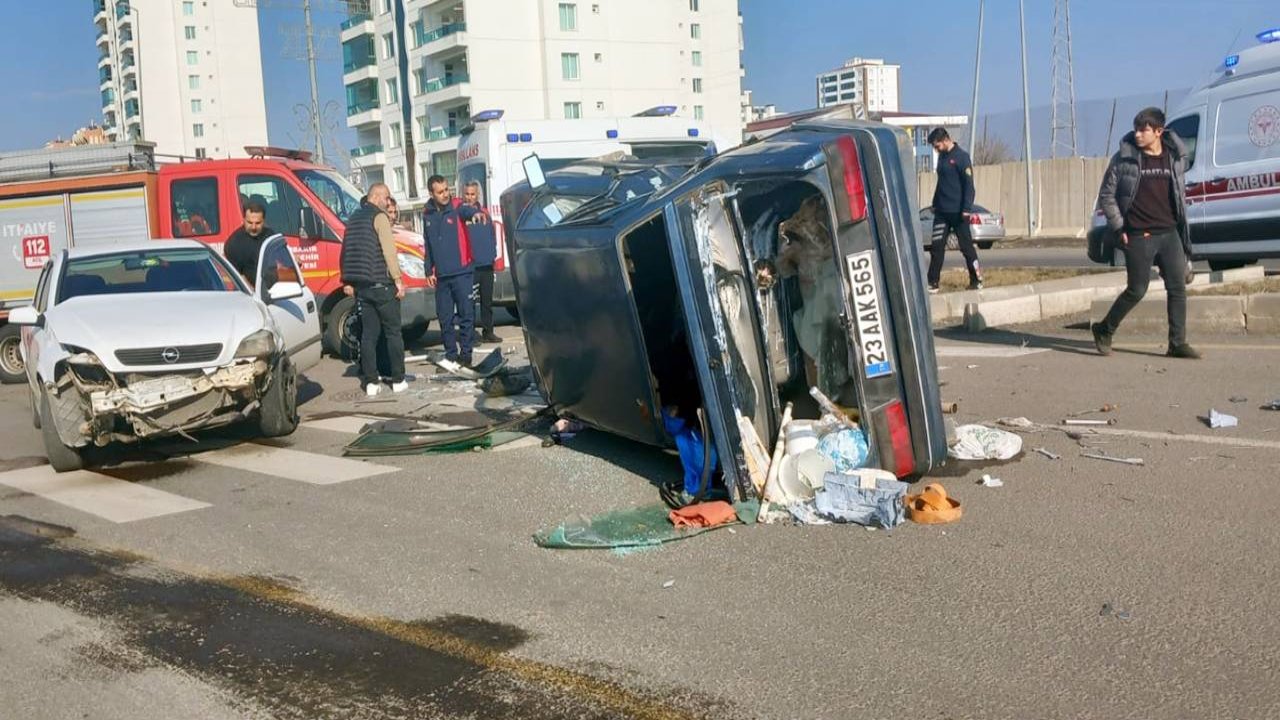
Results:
<point x="986" y="351"/>
<point x="97" y="494"/>
<point x="1225" y="440"/>
<point x="350" y="424"/>
<point x="292" y="464"/>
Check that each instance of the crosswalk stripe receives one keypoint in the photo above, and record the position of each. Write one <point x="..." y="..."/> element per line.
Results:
<point x="350" y="424"/>
<point x="97" y="494"/>
<point x="292" y="464"/>
<point x="986" y="351"/>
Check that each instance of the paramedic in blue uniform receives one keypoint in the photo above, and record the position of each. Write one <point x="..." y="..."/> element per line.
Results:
<point x="452" y="265"/>
<point x="484" y="251"/>
<point x="952" y="206"/>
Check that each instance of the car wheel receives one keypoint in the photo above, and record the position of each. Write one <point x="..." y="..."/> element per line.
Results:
<point x="414" y="333"/>
<point x="279" y="412"/>
<point x="985" y="245"/>
<point x="1220" y="265"/>
<point x="12" y="368"/>
<point x="35" y="408"/>
<point x="342" y="330"/>
<point x="61" y="457"/>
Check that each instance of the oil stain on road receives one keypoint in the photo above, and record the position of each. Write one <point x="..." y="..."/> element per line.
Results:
<point x="285" y="654"/>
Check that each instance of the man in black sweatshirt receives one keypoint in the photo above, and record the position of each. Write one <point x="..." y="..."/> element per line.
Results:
<point x="952" y="206"/>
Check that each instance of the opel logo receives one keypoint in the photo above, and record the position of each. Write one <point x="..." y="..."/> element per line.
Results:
<point x="170" y="355"/>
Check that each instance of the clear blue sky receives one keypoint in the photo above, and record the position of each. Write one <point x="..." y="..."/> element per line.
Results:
<point x="1122" y="47"/>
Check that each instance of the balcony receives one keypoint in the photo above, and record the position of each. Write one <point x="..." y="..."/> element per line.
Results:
<point x="108" y="97"/>
<point x="363" y="113"/>
<point x="368" y="156"/>
<point x="441" y="39"/>
<point x="104" y="75"/>
<point x="131" y="108"/>
<point x="355" y="26"/>
<point x="99" y="11"/>
<point x="357" y="19"/>
<point x="104" y="37"/>
<point x="447" y="89"/>
<point x="358" y="59"/>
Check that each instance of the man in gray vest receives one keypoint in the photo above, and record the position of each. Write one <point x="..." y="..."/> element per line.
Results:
<point x="371" y="272"/>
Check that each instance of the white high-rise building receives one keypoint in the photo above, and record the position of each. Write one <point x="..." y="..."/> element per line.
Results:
<point x="183" y="74"/>
<point x="871" y="83"/>
<point x="416" y="70"/>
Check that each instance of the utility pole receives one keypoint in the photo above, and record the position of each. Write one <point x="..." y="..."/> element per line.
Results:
<point x="1026" y="120"/>
<point x="315" y="92"/>
<point x="1064" y="84"/>
<point x="977" y="76"/>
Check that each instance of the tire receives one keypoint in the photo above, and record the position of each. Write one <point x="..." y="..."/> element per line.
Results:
<point x="35" y="408"/>
<point x="339" y="325"/>
<point x="512" y="310"/>
<point x="12" y="368"/>
<point x="1220" y="265"/>
<point x="61" y="458"/>
<point x="278" y="415"/>
<point x="414" y="333"/>
<point x="986" y="245"/>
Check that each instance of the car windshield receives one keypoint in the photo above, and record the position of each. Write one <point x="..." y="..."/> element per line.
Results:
<point x="333" y="190"/>
<point x="148" y="271"/>
<point x="626" y="184"/>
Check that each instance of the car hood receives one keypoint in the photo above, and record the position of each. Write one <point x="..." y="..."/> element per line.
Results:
<point x="104" y="324"/>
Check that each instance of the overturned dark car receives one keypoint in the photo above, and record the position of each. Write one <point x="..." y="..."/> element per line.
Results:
<point x="725" y="289"/>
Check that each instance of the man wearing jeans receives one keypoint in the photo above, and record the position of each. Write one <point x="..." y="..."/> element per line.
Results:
<point x="484" y="249"/>
<point x="1144" y="198"/>
<point x="371" y="272"/>
<point x="451" y="263"/>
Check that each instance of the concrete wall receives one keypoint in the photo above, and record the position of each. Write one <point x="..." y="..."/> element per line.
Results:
<point x="1064" y="193"/>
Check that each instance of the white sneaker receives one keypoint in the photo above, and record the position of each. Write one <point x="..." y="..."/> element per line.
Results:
<point x="372" y="389"/>
<point x="400" y="386"/>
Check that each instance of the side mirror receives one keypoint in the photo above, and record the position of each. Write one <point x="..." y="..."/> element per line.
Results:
<point x="308" y="224"/>
<point x="284" y="291"/>
<point x="27" y="315"/>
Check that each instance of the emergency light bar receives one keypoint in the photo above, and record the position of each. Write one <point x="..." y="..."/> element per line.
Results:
<point x="486" y="116"/>
<point x="1269" y="36"/>
<point x="658" y="111"/>
<point x="1232" y="61"/>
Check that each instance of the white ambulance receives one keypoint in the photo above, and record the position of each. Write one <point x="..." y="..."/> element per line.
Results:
<point x="491" y="150"/>
<point x="1231" y="126"/>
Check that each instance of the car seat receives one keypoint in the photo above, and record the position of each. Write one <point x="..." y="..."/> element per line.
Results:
<point x="178" y="277"/>
<point x="79" y="285"/>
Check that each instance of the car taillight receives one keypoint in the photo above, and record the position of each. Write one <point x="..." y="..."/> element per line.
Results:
<point x="975" y="219"/>
<point x="854" y="187"/>
<point x="904" y="459"/>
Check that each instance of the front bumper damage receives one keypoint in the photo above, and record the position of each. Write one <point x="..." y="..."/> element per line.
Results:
<point x="95" y="407"/>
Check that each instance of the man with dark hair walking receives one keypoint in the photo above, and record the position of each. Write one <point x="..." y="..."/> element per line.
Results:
<point x="952" y="207"/>
<point x="451" y="262"/>
<point x="484" y="250"/>
<point x="1144" y="197"/>
<point x="245" y="244"/>
<point x="371" y="272"/>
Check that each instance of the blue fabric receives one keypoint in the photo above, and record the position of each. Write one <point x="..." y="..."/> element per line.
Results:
<point x="453" y="304"/>
<point x="844" y="500"/>
<point x="484" y="243"/>
<point x="689" y="444"/>
<point x="445" y="231"/>
<point x="846" y="448"/>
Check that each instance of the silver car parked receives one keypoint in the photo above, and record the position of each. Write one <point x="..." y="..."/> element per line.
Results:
<point x="987" y="228"/>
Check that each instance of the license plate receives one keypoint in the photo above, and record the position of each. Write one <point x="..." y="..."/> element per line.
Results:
<point x="866" y="311"/>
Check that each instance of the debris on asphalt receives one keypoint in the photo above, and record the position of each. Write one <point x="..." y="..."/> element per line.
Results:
<point x="487" y="367"/>
<point x="1109" y="458"/>
<point x="647" y="526"/>
<point x="972" y="367"/>
<point x="505" y="383"/>
<point x="846" y="448"/>
<point x="565" y="429"/>
<point x="1106" y="408"/>
<point x="1080" y="421"/>
<point x="704" y="514"/>
<point x="402" y="436"/>
<point x="1238" y="399"/>
<point x="1048" y="454"/>
<point x="1017" y="422"/>
<point x="991" y="482"/>
<point x="866" y="497"/>
<point x="1273" y="405"/>
<point x="979" y="442"/>
<point x="668" y="584"/>
<point x="1108" y="611"/>
<point x="950" y="408"/>
<point x="933" y="506"/>
<point x="1222" y="420"/>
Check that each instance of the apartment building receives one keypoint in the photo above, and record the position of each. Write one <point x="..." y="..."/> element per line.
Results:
<point x="862" y="81"/>
<point x="183" y="74"/>
<point x="416" y="70"/>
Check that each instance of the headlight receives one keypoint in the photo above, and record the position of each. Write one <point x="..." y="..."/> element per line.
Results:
<point x="412" y="266"/>
<point x="259" y="344"/>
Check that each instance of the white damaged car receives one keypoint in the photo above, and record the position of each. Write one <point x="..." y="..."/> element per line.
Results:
<point x="143" y="340"/>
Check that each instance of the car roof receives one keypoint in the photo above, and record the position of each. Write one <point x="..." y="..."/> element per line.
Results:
<point x="136" y="246"/>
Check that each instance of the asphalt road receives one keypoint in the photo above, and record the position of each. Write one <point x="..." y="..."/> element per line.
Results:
<point x="411" y="589"/>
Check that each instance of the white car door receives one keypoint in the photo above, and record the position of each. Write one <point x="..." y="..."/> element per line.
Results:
<point x="291" y="304"/>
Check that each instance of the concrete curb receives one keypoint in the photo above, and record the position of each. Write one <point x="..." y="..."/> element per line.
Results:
<point x="1012" y="305"/>
<point x="1252" y="314"/>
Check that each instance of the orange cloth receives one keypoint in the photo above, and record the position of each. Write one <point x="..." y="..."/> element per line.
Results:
<point x="704" y="515"/>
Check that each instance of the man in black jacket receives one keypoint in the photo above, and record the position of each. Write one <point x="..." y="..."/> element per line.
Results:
<point x="244" y="245"/>
<point x="371" y="272"/>
<point x="952" y="206"/>
<point x="1144" y="198"/>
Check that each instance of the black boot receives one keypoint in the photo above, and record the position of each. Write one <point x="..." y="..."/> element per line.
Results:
<point x="1101" y="339"/>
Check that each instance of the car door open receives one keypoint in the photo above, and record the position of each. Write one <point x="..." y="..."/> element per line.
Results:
<point x="290" y="302"/>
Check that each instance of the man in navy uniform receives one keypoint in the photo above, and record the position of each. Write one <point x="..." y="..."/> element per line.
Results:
<point x="452" y="265"/>
<point x="952" y="207"/>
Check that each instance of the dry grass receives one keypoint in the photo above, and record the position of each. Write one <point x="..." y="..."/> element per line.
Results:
<point x="1268" y="285"/>
<point x="954" y="280"/>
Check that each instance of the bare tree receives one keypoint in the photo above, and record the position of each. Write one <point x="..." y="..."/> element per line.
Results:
<point x="991" y="151"/>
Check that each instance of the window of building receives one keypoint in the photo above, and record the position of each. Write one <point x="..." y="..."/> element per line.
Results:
<point x="599" y="57"/>
<point x="697" y="112"/>
<point x="595" y="8"/>
<point x="695" y="30"/>
<point x="196" y="105"/>
<point x="386" y="6"/>
<point x="201" y="154"/>
<point x="569" y="66"/>
<point x="195" y="205"/>
<point x="397" y="180"/>
<point x="693" y="5"/>
<point x="189" y="32"/>
<point x="600" y="105"/>
<point x="393" y="135"/>
<point x="696" y="56"/>
<point x="197" y="130"/>
<point x="572" y="110"/>
<point x="568" y="17"/>
<point x="193" y="57"/>
<point x="445" y="164"/>
<point x="393" y="92"/>
<point x="388" y="46"/>
<point x="188" y="8"/>
<point x="193" y="82"/>
<point x="282" y="202"/>
<point x="419" y="81"/>
<point x="697" y="85"/>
